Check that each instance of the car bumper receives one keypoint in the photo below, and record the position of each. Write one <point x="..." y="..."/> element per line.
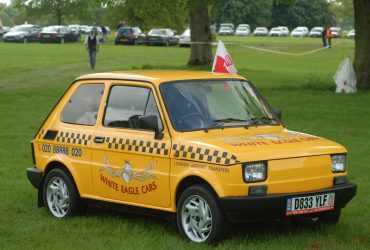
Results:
<point x="34" y="176"/>
<point x="273" y="206"/>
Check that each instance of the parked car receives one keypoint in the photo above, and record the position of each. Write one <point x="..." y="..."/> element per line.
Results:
<point x="261" y="31"/>
<point x="351" y="34"/>
<point x="3" y="31"/>
<point x="205" y="148"/>
<point x="299" y="32"/>
<point x="129" y="35"/>
<point x="336" y="32"/>
<point x="244" y="25"/>
<point x="84" y="29"/>
<point x="242" y="31"/>
<point x="276" y="32"/>
<point x="285" y="30"/>
<point x="23" y="33"/>
<point x="59" y="34"/>
<point x="185" y="39"/>
<point x="225" y="31"/>
<point x="75" y="27"/>
<point x="165" y="37"/>
<point x="229" y="25"/>
<point x="316" y="32"/>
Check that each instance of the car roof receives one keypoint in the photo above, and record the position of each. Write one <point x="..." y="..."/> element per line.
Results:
<point x="159" y="76"/>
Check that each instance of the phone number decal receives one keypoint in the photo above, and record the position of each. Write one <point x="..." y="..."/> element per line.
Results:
<point x="63" y="150"/>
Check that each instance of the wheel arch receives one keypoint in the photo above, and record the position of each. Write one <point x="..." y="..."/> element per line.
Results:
<point x="50" y="166"/>
<point x="189" y="181"/>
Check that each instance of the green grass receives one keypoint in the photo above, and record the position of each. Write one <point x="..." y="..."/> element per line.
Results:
<point x="34" y="76"/>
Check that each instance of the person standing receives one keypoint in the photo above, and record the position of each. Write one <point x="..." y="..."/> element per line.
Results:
<point x="92" y="46"/>
<point x="213" y="31"/>
<point x="105" y="32"/>
<point x="329" y="35"/>
<point x="323" y="36"/>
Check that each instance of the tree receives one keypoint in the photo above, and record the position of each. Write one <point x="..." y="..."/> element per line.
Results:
<point x="302" y="13"/>
<point x="59" y="9"/>
<point x="200" y="33"/>
<point x="343" y="13"/>
<point x="253" y="12"/>
<point x="362" y="43"/>
<point x="148" y="14"/>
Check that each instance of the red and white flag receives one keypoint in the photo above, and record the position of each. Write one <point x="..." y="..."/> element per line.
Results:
<point x="222" y="62"/>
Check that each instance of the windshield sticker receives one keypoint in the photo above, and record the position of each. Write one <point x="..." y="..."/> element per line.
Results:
<point x="202" y="166"/>
<point x="270" y="139"/>
<point x="127" y="174"/>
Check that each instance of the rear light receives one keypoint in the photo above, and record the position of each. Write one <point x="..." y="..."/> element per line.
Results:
<point x="33" y="154"/>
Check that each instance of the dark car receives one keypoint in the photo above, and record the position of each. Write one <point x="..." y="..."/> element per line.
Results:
<point x="129" y="35"/>
<point x="165" y="37"/>
<point x="59" y="34"/>
<point x="23" y="33"/>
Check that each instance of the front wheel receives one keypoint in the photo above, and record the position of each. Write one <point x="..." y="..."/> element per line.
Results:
<point x="60" y="194"/>
<point x="199" y="215"/>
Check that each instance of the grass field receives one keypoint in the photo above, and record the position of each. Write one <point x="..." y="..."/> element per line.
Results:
<point x="34" y="76"/>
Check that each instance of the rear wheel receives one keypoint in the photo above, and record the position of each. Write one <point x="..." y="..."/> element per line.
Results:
<point x="199" y="215"/>
<point x="60" y="194"/>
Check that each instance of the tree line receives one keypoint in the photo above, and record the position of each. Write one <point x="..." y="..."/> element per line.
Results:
<point x="174" y="13"/>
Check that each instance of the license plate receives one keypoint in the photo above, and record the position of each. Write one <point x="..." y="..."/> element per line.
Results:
<point x="123" y="40"/>
<point x="310" y="204"/>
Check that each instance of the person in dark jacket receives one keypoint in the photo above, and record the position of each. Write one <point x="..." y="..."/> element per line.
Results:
<point x="323" y="36"/>
<point x="92" y="46"/>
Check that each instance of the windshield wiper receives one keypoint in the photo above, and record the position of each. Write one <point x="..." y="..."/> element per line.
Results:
<point x="219" y="122"/>
<point x="256" y="120"/>
<point x="228" y="120"/>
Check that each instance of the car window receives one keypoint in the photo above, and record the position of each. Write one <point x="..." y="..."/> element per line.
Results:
<point x="126" y="104"/>
<point x="82" y="108"/>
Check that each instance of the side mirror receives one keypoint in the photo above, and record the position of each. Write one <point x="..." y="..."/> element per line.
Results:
<point x="278" y="112"/>
<point x="150" y="122"/>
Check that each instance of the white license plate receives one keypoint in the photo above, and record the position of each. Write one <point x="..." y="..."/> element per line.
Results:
<point x="310" y="204"/>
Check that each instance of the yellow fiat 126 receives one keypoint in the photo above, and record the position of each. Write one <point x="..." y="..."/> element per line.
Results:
<point x="204" y="147"/>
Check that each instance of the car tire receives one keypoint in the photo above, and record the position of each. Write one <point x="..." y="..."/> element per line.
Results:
<point x="62" y="41"/>
<point x="205" y="221"/>
<point x="25" y="40"/>
<point x="60" y="194"/>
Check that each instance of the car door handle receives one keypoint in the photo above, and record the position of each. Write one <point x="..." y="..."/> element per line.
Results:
<point x="99" y="139"/>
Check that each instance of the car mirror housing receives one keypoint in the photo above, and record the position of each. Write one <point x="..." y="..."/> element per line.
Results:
<point x="278" y="112"/>
<point x="150" y="122"/>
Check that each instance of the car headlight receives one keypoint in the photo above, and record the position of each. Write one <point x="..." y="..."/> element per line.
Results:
<point x="339" y="163"/>
<point x="255" y="171"/>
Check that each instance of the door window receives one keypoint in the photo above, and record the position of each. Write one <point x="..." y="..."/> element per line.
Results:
<point x="82" y="108"/>
<point x="126" y="104"/>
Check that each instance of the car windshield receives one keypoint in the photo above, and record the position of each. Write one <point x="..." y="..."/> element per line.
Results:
<point x="157" y="32"/>
<point x="260" y="29"/>
<point x="21" y="28"/>
<point x="50" y="29"/>
<point x="212" y="104"/>
<point x="275" y="29"/>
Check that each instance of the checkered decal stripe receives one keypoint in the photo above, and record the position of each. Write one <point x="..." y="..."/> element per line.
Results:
<point x="41" y="134"/>
<point x="149" y="147"/>
<point x="73" y="138"/>
<point x="204" y="154"/>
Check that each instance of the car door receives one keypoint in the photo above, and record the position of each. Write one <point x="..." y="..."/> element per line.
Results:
<point x="128" y="164"/>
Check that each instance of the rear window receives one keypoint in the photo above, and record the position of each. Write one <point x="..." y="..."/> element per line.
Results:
<point x="124" y="31"/>
<point x="83" y="107"/>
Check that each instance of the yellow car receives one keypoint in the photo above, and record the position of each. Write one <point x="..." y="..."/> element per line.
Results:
<point x="205" y="148"/>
